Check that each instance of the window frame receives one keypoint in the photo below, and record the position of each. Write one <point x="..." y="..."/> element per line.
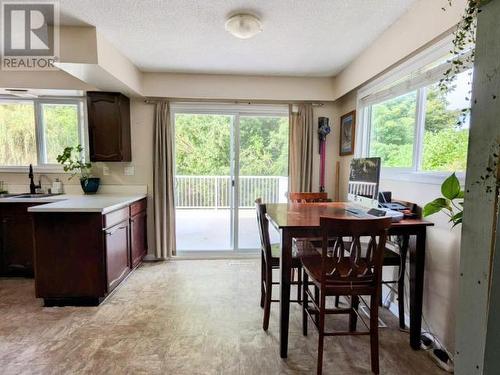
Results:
<point x="42" y="166"/>
<point x="403" y="79"/>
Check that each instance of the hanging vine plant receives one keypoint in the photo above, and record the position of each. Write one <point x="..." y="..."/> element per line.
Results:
<point x="464" y="40"/>
<point x="463" y="54"/>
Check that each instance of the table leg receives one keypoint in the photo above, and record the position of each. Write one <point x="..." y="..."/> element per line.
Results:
<point x="417" y="265"/>
<point x="285" y="270"/>
<point x="403" y="252"/>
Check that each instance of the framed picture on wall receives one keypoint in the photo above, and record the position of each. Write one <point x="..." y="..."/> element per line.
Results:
<point x="347" y="133"/>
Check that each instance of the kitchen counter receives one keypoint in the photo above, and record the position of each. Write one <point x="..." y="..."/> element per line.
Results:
<point x="101" y="203"/>
<point x="48" y="199"/>
<point x="85" y="245"/>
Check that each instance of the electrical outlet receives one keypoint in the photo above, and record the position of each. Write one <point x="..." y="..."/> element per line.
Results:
<point x="105" y="170"/>
<point x="129" y="170"/>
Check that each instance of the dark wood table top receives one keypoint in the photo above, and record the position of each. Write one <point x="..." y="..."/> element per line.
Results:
<point x="300" y="215"/>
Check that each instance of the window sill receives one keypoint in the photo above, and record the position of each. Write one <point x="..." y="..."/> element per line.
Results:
<point x="36" y="169"/>
<point x="431" y="178"/>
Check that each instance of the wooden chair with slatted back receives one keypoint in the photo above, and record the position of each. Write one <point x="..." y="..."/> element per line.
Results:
<point x="308" y="197"/>
<point x="350" y="270"/>
<point x="270" y="259"/>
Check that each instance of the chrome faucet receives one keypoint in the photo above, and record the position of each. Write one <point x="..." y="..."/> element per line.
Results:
<point x="33" y="187"/>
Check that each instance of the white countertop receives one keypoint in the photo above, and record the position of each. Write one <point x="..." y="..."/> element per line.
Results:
<point x="102" y="203"/>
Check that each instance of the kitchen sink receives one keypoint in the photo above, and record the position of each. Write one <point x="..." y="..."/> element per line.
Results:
<point x="32" y="195"/>
<point x="7" y="195"/>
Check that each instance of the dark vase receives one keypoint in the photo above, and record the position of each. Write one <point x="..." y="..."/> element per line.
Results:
<point x="90" y="185"/>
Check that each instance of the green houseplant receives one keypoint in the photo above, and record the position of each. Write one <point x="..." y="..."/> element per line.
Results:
<point x="450" y="203"/>
<point x="73" y="161"/>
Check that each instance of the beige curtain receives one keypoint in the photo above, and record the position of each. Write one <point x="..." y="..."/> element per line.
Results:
<point x="301" y="148"/>
<point x="163" y="182"/>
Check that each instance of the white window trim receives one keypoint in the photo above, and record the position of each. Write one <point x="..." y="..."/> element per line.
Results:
<point x="41" y="166"/>
<point x="229" y="109"/>
<point x="374" y="92"/>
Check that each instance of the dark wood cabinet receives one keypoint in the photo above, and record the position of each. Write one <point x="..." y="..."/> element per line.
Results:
<point x="109" y="126"/>
<point x="138" y="233"/>
<point x="16" y="240"/>
<point x="117" y="253"/>
<point x="91" y="254"/>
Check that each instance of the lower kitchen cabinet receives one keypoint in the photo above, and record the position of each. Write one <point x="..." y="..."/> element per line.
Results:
<point x="82" y="257"/>
<point x="16" y="240"/>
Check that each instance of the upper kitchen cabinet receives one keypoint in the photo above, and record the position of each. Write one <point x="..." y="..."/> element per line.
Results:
<point x="109" y="126"/>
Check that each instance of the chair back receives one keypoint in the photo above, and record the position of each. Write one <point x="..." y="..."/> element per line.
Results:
<point x="307" y="197"/>
<point x="349" y="261"/>
<point x="263" y="225"/>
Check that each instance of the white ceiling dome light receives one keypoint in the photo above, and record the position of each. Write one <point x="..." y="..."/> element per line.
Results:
<point x="243" y="26"/>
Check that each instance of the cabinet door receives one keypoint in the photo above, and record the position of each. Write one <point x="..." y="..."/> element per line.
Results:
<point x="105" y="127"/>
<point x="17" y="244"/>
<point x="117" y="253"/>
<point x="138" y="238"/>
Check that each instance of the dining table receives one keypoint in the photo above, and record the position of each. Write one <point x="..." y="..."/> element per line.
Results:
<point x="299" y="220"/>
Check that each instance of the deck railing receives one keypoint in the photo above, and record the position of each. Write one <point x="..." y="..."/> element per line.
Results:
<point x="215" y="191"/>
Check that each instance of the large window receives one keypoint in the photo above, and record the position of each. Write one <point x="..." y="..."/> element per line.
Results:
<point x="36" y="131"/>
<point x="413" y="125"/>
<point x="393" y="130"/>
<point x="446" y="127"/>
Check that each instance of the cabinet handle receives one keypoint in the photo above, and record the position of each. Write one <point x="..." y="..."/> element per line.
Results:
<point x="109" y="233"/>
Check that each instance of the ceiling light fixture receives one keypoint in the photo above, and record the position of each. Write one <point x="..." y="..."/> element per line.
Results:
<point x="243" y="26"/>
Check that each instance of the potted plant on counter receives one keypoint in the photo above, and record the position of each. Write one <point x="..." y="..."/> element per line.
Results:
<point x="77" y="166"/>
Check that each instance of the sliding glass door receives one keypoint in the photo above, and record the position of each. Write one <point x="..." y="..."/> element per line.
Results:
<point x="203" y="181"/>
<point x="225" y="159"/>
<point x="263" y="171"/>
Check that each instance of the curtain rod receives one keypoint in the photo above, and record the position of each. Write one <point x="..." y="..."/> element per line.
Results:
<point x="154" y="100"/>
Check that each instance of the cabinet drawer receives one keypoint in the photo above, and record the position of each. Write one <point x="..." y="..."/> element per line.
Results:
<point x="137" y="207"/>
<point x="116" y="217"/>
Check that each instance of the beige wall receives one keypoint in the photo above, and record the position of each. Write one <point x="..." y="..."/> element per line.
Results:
<point x="38" y="80"/>
<point x="421" y="24"/>
<point x="441" y="264"/>
<point x="345" y="105"/>
<point x="328" y="110"/>
<point x="213" y="87"/>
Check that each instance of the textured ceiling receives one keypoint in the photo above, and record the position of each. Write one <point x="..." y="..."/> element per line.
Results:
<point x="300" y="37"/>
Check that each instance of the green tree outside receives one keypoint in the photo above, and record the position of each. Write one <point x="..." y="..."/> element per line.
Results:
<point x="393" y="129"/>
<point x="18" y="131"/>
<point x="203" y="145"/>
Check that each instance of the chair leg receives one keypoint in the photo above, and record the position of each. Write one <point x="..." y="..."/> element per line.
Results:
<point x="262" y="279"/>
<point x="353" y="316"/>
<point x="305" y="303"/>
<point x="299" y="285"/>
<point x="374" y="334"/>
<point x="269" y="292"/>
<point x="321" y="333"/>
<point x="316" y="299"/>
<point x="337" y="301"/>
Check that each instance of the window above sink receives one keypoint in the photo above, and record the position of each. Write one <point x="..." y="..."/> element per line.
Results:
<point x="36" y="130"/>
